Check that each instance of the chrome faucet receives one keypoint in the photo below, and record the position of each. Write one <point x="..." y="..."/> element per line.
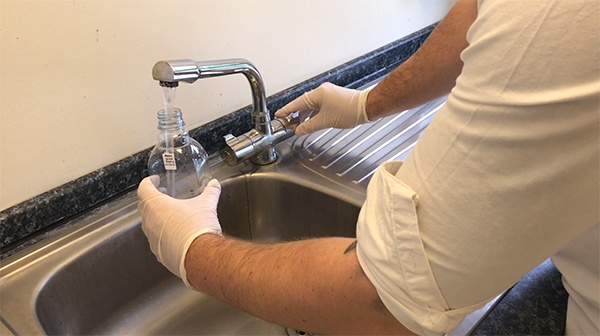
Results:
<point x="257" y="144"/>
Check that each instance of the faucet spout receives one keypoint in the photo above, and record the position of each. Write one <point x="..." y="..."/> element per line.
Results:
<point x="170" y="73"/>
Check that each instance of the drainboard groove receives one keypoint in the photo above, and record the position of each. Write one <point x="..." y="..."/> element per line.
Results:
<point x="384" y="145"/>
<point x="306" y="147"/>
<point x="351" y="156"/>
<point x="377" y="129"/>
<point x="343" y="136"/>
<point x="373" y="168"/>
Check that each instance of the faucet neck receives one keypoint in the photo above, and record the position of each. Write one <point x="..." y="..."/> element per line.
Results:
<point x="257" y="86"/>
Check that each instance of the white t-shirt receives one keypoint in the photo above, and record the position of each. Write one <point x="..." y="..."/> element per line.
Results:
<point x="504" y="177"/>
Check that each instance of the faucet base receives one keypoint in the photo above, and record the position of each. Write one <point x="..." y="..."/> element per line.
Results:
<point x="256" y="146"/>
<point x="268" y="156"/>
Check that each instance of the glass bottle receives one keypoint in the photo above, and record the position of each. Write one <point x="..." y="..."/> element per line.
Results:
<point x="178" y="159"/>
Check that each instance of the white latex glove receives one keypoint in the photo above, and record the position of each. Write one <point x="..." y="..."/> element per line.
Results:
<point x="334" y="106"/>
<point x="171" y="225"/>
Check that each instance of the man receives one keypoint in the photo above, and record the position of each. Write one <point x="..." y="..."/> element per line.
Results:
<point x="505" y="176"/>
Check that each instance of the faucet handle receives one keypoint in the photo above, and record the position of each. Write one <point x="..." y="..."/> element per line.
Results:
<point x="240" y="148"/>
<point x="228" y="154"/>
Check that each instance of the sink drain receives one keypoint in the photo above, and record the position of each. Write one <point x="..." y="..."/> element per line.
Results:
<point x="294" y="332"/>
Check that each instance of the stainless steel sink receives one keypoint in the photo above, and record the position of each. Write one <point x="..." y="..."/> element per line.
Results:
<point x="101" y="278"/>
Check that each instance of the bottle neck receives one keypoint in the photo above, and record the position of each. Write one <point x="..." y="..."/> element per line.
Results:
<point x="171" y="120"/>
<point x="171" y="125"/>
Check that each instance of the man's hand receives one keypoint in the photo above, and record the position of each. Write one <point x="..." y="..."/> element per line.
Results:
<point x="334" y="106"/>
<point x="171" y="225"/>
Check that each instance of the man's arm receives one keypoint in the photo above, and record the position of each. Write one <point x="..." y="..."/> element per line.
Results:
<point x="431" y="72"/>
<point x="315" y="285"/>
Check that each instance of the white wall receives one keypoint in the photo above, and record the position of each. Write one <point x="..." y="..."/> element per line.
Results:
<point x="76" y="86"/>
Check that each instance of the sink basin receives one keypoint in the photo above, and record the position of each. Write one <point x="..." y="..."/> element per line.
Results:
<point x="101" y="277"/>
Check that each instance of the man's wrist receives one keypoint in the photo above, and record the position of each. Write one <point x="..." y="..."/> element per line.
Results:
<point x="373" y="105"/>
<point x="195" y="250"/>
<point x="363" y="118"/>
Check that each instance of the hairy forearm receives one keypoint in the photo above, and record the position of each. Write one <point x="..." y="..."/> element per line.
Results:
<point x="431" y="72"/>
<point x="315" y="285"/>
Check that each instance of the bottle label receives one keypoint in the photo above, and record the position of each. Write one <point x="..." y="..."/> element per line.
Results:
<point x="169" y="161"/>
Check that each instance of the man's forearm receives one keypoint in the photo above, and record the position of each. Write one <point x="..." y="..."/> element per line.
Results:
<point x="431" y="72"/>
<point x="315" y="285"/>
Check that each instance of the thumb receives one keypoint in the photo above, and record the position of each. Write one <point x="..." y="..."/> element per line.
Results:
<point x="304" y="102"/>
<point x="211" y="193"/>
<point x="148" y="187"/>
<point x="291" y="107"/>
<point x="213" y="188"/>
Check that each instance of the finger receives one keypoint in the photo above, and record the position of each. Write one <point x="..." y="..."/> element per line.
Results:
<point x="291" y="107"/>
<point x="149" y="226"/>
<point x="147" y="193"/>
<point x="211" y="193"/>
<point x="214" y="183"/>
<point x="301" y="103"/>
<point x="155" y="180"/>
<point x="147" y="187"/>
<point x="303" y="129"/>
<point x="311" y="125"/>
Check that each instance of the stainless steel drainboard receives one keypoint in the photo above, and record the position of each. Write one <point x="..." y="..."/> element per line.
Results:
<point x="351" y="156"/>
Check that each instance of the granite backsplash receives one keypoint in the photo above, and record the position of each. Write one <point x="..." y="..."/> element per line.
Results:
<point x="32" y="220"/>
